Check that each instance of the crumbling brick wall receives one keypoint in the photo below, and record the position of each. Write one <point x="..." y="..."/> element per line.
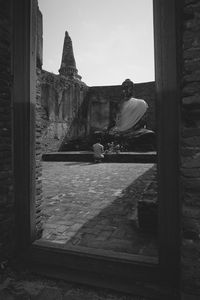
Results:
<point x="190" y="146"/>
<point x="61" y="103"/>
<point x="39" y="127"/>
<point x="7" y="204"/>
<point x="7" y="236"/>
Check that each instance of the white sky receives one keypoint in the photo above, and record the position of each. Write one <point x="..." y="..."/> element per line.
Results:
<point x="112" y="39"/>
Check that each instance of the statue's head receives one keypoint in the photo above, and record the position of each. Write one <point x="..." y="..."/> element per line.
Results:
<point x="127" y="88"/>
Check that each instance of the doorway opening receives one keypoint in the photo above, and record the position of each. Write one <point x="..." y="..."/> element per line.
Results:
<point x="113" y="205"/>
<point x="87" y="266"/>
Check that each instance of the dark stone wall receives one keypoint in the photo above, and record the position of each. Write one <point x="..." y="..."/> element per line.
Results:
<point x="7" y="217"/>
<point x="190" y="146"/>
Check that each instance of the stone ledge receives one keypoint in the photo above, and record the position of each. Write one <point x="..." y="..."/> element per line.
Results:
<point x="132" y="157"/>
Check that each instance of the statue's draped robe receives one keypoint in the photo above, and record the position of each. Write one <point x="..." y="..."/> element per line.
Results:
<point x="130" y="114"/>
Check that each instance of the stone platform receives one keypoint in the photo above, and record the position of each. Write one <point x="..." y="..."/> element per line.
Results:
<point x="87" y="156"/>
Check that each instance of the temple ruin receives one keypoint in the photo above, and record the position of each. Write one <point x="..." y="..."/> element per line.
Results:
<point x="178" y="271"/>
<point x="70" y="109"/>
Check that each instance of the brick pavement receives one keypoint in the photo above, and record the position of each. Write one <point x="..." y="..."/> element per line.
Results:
<point x="93" y="205"/>
<point x="86" y="205"/>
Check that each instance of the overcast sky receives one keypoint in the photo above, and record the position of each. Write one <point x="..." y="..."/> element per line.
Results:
<point x="112" y="39"/>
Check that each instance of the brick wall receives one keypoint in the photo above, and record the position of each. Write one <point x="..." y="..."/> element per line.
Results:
<point x="7" y="236"/>
<point x="190" y="146"/>
<point x="39" y="127"/>
<point x="7" y="205"/>
<point x="61" y="103"/>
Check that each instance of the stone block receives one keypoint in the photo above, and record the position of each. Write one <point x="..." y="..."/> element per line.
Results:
<point x="191" y="89"/>
<point x="192" y="199"/>
<point x="189" y="132"/>
<point x="50" y="293"/>
<point x="195" y="76"/>
<point x="191" y="172"/>
<point x="192" y="100"/>
<point x="192" y="184"/>
<point x="191" y="53"/>
<point x="192" y="65"/>
<point x="193" y="141"/>
<point x="194" y="162"/>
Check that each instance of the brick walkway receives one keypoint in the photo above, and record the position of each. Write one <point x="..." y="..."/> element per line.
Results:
<point x="88" y="205"/>
<point x="93" y="205"/>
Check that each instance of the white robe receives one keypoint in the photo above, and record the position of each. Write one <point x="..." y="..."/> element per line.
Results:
<point x="131" y="112"/>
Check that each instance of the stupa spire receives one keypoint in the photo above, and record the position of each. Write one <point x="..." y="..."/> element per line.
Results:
<point x="68" y="63"/>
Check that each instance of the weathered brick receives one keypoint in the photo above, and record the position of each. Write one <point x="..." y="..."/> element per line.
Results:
<point x="192" y="199"/>
<point x="193" y="141"/>
<point x="193" y="77"/>
<point x="191" y="172"/>
<point x="191" y="53"/>
<point x="192" y="162"/>
<point x="190" y="145"/>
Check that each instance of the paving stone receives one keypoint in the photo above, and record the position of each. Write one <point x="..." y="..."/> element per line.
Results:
<point x="104" y="235"/>
<point x="96" y="201"/>
<point x="49" y="293"/>
<point x="61" y="229"/>
<point x="5" y="295"/>
<point x="92" y="295"/>
<point x="33" y="288"/>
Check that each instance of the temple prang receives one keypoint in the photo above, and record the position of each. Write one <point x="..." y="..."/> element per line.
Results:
<point x="68" y="63"/>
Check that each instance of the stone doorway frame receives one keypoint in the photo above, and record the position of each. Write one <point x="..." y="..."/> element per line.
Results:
<point x="161" y="278"/>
